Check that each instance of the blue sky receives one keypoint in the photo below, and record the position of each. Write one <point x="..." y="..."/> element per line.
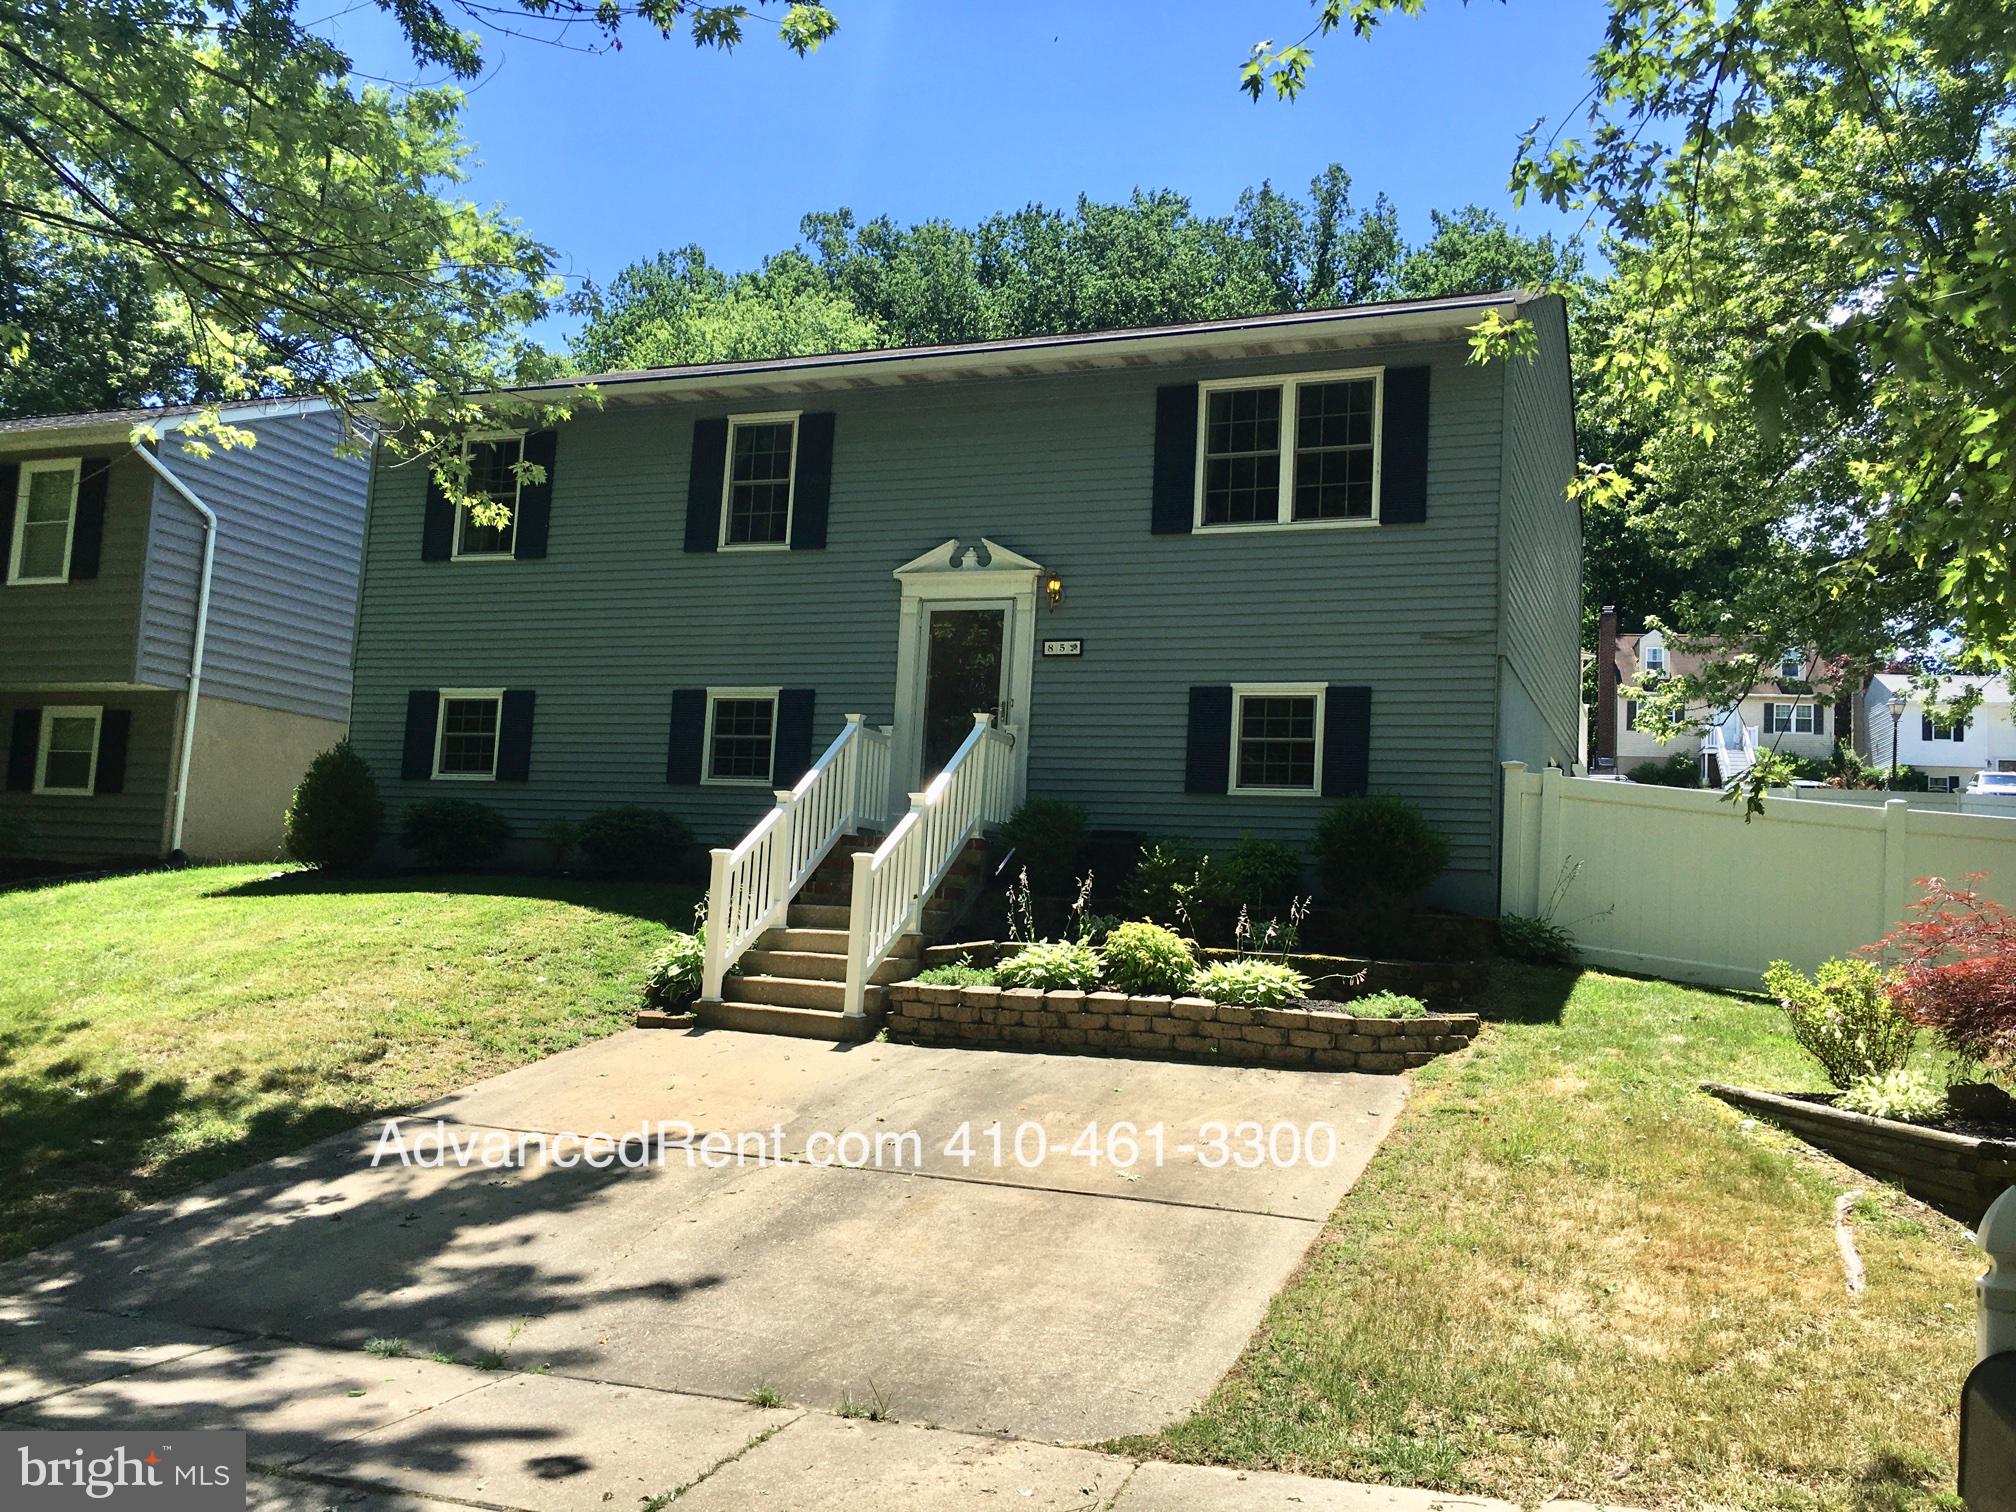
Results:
<point x="951" y="108"/>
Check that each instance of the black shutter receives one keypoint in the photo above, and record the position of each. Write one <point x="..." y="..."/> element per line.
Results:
<point x="115" y="727"/>
<point x="1403" y="446"/>
<point x="1770" y="719"/>
<point x="1819" y="720"/>
<point x="814" y="485"/>
<point x="1347" y="741"/>
<point x="689" y="730"/>
<point x="535" y="500"/>
<point x="26" y="736"/>
<point x="703" y="485"/>
<point x="423" y="713"/>
<point x="1924" y="726"/>
<point x="87" y="538"/>
<point x="437" y="526"/>
<point x="514" y="735"/>
<point x="10" y="484"/>
<point x="1207" y="764"/>
<point x="1175" y="500"/>
<point x="793" y="756"/>
<point x="1630" y="713"/>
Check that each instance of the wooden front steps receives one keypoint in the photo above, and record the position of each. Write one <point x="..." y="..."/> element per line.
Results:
<point x="793" y="980"/>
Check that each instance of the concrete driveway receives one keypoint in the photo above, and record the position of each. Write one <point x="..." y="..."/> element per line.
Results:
<point x="1056" y="1298"/>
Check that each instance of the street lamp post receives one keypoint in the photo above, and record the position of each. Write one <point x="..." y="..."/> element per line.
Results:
<point x="1898" y="704"/>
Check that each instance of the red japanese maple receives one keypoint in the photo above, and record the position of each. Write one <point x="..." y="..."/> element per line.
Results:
<point x="1954" y="965"/>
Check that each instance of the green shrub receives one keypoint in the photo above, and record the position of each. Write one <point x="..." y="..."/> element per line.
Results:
<point x="675" y="973"/>
<point x="634" y="841"/>
<point x="1048" y="835"/>
<point x="336" y="816"/>
<point x="1179" y="885"/>
<point x="1051" y="965"/>
<point x="1541" y="940"/>
<point x="1147" y="959"/>
<point x="455" y="832"/>
<point x="1906" y="1093"/>
<point x="1250" y="983"/>
<point x="1263" y="875"/>
<point x="1387" y="1005"/>
<point x="1678" y="770"/>
<point x="1089" y="928"/>
<point x="1843" y="1018"/>
<point x="959" y="973"/>
<point x="1378" y="847"/>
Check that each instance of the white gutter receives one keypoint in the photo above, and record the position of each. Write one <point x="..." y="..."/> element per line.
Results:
<point x="187" y="752"/>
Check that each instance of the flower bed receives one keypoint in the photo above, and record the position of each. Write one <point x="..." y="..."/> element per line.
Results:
<point x="1445" y="984"/>
<point x="1959" y="1174"/>
<point x="1113" y="1023"/>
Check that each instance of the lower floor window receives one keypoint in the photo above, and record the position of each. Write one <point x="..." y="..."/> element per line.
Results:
<point x="741" y="726"/>
<point x="467" y="742"/>
<point x="69" y="750"/>
<point x="1276" y="739"/>
<point x="1792" y="719"/>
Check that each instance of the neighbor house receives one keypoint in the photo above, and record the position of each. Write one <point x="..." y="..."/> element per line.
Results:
<point x="1795" y="710"/>
<point x="174" y="627"/>
<point x="1202" y="579"/>
<point x="1950" y="757"/>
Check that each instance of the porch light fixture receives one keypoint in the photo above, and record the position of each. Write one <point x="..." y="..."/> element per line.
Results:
<point x="1053" y="589"/>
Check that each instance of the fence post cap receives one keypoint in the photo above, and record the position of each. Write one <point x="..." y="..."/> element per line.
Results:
<point x="1513" y="766"/>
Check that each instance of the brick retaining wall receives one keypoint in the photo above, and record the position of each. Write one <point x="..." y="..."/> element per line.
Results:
<point x="1112" y="1023"/>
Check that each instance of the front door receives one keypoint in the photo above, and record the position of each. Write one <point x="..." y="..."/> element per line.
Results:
<point x="965" y="667"/>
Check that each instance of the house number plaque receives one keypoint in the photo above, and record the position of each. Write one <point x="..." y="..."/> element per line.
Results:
<point x="1063" y="648"/>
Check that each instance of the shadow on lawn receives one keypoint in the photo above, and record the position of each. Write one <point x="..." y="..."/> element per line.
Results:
<point x="1522" y="994"/>
<point x="668" y="903"/>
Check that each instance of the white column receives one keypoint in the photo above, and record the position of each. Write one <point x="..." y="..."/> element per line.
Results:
<point x="714" y="965"/>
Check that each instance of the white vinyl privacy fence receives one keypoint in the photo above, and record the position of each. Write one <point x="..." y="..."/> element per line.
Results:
<point x="1671" y="882"/>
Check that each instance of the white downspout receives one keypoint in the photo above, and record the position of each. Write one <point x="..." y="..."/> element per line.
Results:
<point x="187" y="753"/>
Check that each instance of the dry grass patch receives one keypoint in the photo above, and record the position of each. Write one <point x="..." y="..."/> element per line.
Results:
<point x="1570" y="1273"/>
<point x="157" y="1031"/>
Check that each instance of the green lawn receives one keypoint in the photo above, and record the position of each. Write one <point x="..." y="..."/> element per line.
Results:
<point x="159" y="1030"/>
<point x="1568" y="1272"/>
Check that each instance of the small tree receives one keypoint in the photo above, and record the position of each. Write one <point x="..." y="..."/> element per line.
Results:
<point x="1955" y="970"/>
<point x="336" y="816"/>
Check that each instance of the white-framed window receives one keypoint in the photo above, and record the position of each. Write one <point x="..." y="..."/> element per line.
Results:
<point x="465" y="734"/>
<point x="759" y="481"/>
<point x="45" y="521"/>
<point x="66" y="763"/>
<point x="741" y="747"/>
<point x="1941" y="784"/>
<point x="1277" y="738"/>
<point x="493" y="474"/>
<point x="1793" y="719"/>
<point x="1930" y="731"/>
<point x="1301" y="450"/>
<point x="1655" y="659"/>
<point x="1791" y="667"/>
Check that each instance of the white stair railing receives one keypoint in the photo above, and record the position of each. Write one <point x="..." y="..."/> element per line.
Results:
<point x="750" y="887"/>
<point x="976" y="789"/>
<point x="1733" y="744"/>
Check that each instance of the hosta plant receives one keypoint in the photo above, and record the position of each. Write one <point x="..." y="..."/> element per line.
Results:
<point x="1909" y="1094"/>
<point x="1250" y="983"/>
<point x="1052" y="965"/>
<point x="1147" y="959"/>
<point x="675" y="974"/>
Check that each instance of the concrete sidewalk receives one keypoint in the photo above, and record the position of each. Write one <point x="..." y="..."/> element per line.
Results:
<point x="336" y="1428"/>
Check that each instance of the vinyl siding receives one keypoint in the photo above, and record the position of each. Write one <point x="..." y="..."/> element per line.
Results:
<point x="125" y="825"/>
<point x="1057" y="468"/>
<point x="283" y="597"/>
<point x="1541" y="530"/>
<point x="82" y="632"/>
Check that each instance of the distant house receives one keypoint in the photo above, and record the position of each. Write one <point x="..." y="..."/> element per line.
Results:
<point x="1787" y="712"/>
<point x="175" y="629"/>
<point x="1949" y="758"/>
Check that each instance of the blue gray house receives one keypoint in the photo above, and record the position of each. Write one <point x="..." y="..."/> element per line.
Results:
<point x="174" y="627"/>
<point x="1201" y="579"/>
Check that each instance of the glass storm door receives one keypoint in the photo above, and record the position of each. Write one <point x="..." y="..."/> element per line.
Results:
<point x="964" y="665"/>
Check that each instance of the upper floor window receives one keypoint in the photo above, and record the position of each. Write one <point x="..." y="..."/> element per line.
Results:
<point x="1930" y="731"/>
<point x="493" y="475"/>
<point x="45" y="522"/>
<point x="465" y="736"/>
<point x="762" y="452"/>
<point x="69" y="759"/>
<point x="1791" y="667"/>
<point x="1284" y="451"/>
<point x="1277" y="741"/>
<point x="741" y="734"/>
<point x="1655" y="658"/>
